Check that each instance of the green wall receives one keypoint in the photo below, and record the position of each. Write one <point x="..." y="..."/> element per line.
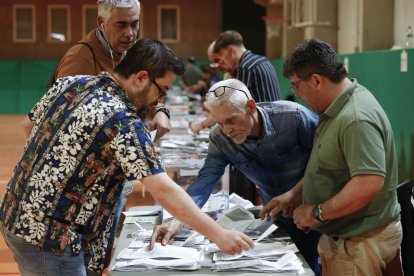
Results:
<point x="22" y="83"/>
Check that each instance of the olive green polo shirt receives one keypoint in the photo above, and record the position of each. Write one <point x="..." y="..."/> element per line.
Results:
<point x="353" y="137"/>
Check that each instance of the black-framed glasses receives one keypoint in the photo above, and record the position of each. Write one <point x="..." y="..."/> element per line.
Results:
<point x="161" y="92"/>
<point x="294" y="85"/>
<point x="219" y="93"/>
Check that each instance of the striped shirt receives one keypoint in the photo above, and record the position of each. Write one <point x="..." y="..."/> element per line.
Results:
<point x="259" y="75"/>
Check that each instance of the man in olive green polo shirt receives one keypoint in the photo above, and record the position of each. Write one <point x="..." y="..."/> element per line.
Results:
<point x="349" y="187"/>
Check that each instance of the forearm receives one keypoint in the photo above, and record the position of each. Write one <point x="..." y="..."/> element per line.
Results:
<point x="297" y="189"/>
<point x="208" y="176"/>
<point x="177" y="202"/>
<point x="356" y="194"/>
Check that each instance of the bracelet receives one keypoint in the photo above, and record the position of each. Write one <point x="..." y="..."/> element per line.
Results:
<point x="320" y="213"/>
<point x="163" y="109"/>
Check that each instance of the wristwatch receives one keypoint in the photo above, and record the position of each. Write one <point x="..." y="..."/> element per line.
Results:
<point x="162" y="109"/>
<point x="317" y="213"/>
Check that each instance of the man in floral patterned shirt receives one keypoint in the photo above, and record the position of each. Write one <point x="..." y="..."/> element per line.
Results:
<point x="87" y="137"/>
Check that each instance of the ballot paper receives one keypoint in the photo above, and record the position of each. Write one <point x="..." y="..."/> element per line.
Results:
<point x="288" y="263"/>
<point x="162" y="264"/>
<point x="159" y="251"/>
<point x="268" y="254"/>
<point x="141" y="219"/>
<point x="187" y="172"/>
<point x="264" y="257"/>
<point x="196" y="242"/>
<point x="153" y="134"/>
<point x="268" y="251"/>
<point x="142" y="213"/>
<point x="266" y="233"/>
<point x="236" y="218"/>
<point x="237" y="200"/>
<point x="161" y="257"/>
<point x="214" y="204"/>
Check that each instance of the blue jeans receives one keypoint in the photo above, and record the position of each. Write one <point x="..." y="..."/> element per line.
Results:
<point x="306" y="242"/>
<point x="33" y="260"/>
<point x="119" y="207"/>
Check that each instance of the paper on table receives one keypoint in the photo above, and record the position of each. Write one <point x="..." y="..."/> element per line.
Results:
<point x="141" y="213"/>
<point x="237" y="200"/>
<point x="143" y="219"/>
<point x="266" y="233"/>
<point x="236" y="218"/>
<point x="153" y="134"/>
<point x="185" y="172"/>
<point x="147" y="264"/>
<point x="288" y="263"/>
<point x="159" y="251"/>
<point x="192" y="236"/>
<point x="210" y="206"/>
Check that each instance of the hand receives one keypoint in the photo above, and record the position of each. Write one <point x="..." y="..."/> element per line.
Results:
<point x="302" y="216"/>
<point x="286" y="202"/>
<point x="233" y="242"/>
<point x="165" y="233"/>
<point x="196" y="126"/>
<point x="161" y="123"/>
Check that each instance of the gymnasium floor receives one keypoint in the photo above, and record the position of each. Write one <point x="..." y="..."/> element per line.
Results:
<point x="11" y="143"/>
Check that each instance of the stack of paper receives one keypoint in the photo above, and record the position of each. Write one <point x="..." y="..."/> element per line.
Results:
<point x="236" y="218"/>
<point x="161" y="257"/>
<point x="263" y="260"/>
<point x="288" y="263"/>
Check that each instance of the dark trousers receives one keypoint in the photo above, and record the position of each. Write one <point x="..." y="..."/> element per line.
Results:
<point x="306" y="242"/>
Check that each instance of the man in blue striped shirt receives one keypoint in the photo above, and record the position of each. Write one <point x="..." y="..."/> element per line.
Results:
<point x="255" y="71"/>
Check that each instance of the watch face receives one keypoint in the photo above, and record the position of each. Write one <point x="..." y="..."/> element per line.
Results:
<point x="315" y="212"/>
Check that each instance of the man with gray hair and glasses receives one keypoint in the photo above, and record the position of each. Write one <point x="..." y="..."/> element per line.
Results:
<point x="103" y="48"/>
<point x="269" y="143"/>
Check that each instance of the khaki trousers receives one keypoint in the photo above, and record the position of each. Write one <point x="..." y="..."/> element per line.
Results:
<point x="363" y="255"/>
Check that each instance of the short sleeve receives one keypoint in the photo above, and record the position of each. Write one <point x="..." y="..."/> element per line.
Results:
<point x="135" y="152"/>
<point x="47" y="99"/>
<point x="363" y="148"/>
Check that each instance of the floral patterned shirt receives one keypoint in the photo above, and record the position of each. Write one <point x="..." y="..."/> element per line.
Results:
<point x="87" y="138"/>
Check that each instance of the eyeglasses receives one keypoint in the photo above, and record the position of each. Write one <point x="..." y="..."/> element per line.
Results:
<point x="161" y="92"/>
<point x="220" y="93"/>
<point x="294" y="87"/>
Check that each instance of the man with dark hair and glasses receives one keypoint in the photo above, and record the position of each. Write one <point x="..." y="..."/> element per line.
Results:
<point x="269" y="143"/>
<point x="349" y="187"/>
<point x="86" y="140"/>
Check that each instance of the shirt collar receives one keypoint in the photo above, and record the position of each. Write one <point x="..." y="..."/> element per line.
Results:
<point x="246" y="53"/>
<point x="105" y="43"/>
<point x="267" y="127"/>
<point x="117" y="90"/>
<point x="341" y="100"/>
